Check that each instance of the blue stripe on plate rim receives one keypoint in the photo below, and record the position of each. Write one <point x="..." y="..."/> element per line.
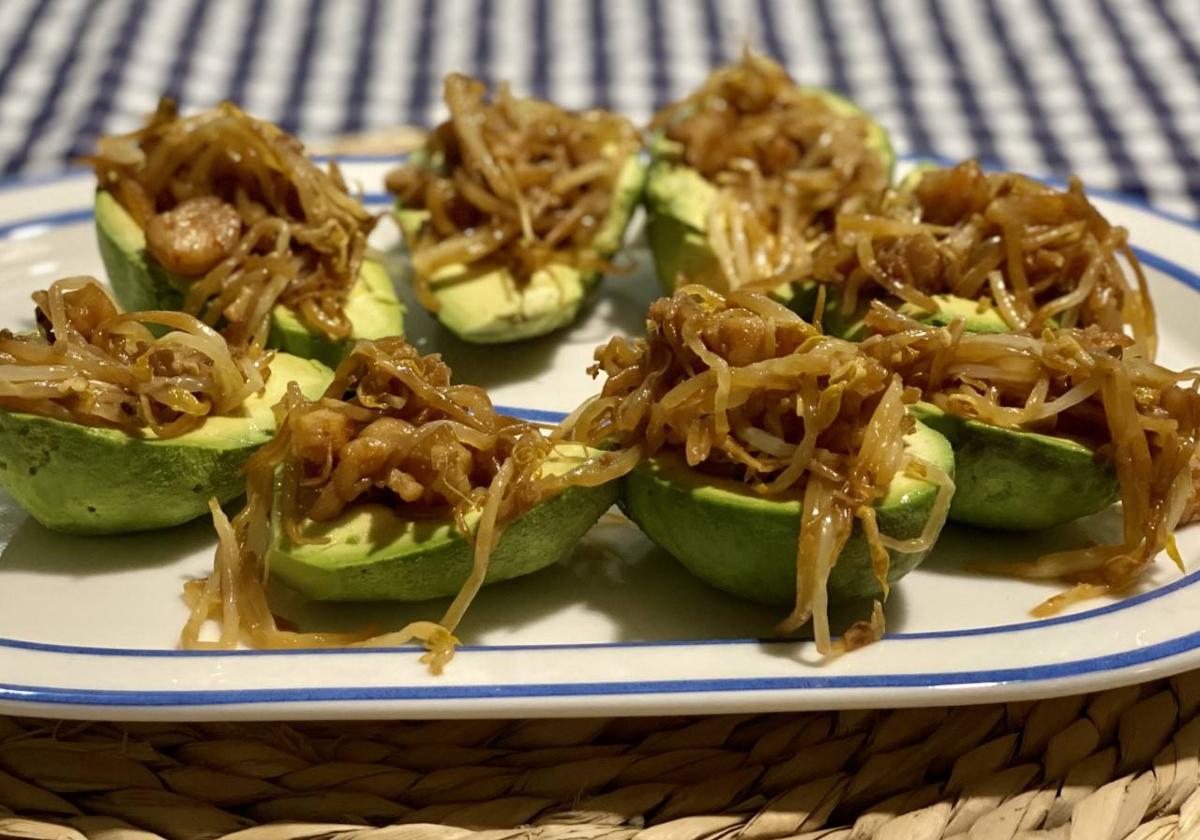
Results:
<point x="1077" y="668"/>
<point x="928" y="679"/>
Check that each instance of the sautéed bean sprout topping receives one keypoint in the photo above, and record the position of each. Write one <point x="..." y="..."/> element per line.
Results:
<point x="1037" y="254"/>
<point x="1088" y="385"/>
<point x="90" y="363"/>
<point x="513" y="183"/>
<point x="234" y="206"/>
<point x="786" y="162"/>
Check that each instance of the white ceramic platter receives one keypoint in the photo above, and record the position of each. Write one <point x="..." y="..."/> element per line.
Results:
<point x="88" y="627"/>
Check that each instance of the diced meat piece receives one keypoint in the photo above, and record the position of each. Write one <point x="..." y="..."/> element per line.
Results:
<point x="194" y="236"/>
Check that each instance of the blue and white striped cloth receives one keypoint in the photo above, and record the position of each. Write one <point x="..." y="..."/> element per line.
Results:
<point x="1108" y="89"/>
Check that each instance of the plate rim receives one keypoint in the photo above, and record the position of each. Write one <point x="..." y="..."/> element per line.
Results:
<point x="1057" y="673"/>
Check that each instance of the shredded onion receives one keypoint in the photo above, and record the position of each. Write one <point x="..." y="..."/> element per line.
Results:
<point x="785" y="162"/>
<point x="233" y="205"/>
<point x="516" y="183"/>
<point x="89" y="363"/>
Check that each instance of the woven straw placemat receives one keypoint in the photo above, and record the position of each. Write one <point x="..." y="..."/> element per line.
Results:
<point x="1124" y="763"/>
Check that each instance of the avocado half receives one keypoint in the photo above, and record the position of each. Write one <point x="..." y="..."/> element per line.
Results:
<point x="745" y="543"/>
<point x="1015" y="480"/>
<point x="141" y="283"/>
<point x="678" y="199"/>
<point x="487" y="306"/>
<point x="371" y="554"/>
<point x="86" y="480"/>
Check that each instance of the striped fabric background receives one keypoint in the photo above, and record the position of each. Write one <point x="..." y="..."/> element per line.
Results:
<point x="1109" y="89"/>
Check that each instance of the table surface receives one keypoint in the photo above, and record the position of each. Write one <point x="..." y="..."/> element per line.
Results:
<point x="1107" y="89"/>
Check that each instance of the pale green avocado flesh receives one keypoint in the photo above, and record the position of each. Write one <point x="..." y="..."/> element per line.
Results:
<point x="678" y="199"/>
<point x="745" y="543"/>
<point x="851" y="325"/>
<point x="86" y="480"/>
<point x="977" y="318"/>
<point x="1015" y="480"/>
<point x="371" y="554"/>
<point x="372" y="308"/>
<point x="140" y="283"/>
<point x="486" y="305"/>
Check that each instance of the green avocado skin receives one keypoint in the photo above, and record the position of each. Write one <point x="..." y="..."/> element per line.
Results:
<point x="373" y="555"/>
<point x="1017" y="481"/>
<point x="140" y="283"/>
<point x="746" y="544"/>
<point x="84" y="480"/>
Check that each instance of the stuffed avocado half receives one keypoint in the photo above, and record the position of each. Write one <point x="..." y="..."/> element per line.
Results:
<point x="745" y="543"/>
<point x="1002" y="251"/>
<point x="370" y="553"/>
<point x="486" y="304"/>
<point x="1042" y="427"/>
<point x="513" y="210"/>
<point x="115" y="421"/>
<point x="679" y="202"/>
<point x="397" y="484"/>
<point x="749" y="173"/>
<point x="226" y="217"/>
<point x="140" y="282"/>
<point x="87" y="480"/>
<point x="772" y="460"/>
